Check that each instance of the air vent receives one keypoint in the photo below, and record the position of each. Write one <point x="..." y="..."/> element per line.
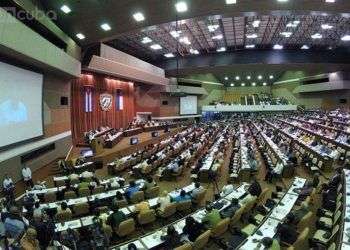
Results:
<point x="313" y="81"/>
<point x="37" y="153"/>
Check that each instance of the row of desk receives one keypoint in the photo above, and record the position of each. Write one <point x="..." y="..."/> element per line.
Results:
<point x="345" y="234"/>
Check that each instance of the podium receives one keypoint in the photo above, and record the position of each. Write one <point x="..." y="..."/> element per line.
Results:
<point x="97" y="145"/>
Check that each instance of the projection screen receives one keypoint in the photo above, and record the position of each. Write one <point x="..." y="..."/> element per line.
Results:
<point x="188" y="105"/>
<point x="20" y="104"/>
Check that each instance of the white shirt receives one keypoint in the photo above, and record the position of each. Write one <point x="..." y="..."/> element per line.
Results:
<point x="27" y="174"/>
<point x="7" y="183"/>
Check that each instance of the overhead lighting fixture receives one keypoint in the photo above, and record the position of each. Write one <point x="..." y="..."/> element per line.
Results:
<point x="252" y="36"/>
<point x="181" y="6"/>
<point x="346" y="38"/>
<point x="226" y="78"/>
<point x="231" y="1"/>
<point x="253" y="84"/>
<point x="282" y="1"/>
<point x="217" y="37"/>
<point x="175" y="33"/>
<point x="213" y="27"/>
<point x="286" y="34"/>
<point x="146" y="40"/>
<point x="326" y="26"/>
<point x="169" y="55"/>
<point x="66" y="9"/>
<point x="194" y="51"/>
<point x="305" y="47"/>
<point x="271" y="76"/>
<point x="80" y="36"/>
<point x="316" y="36"/>
<point x="185" y="40"/>
<point x="222" y="49"/>
<point x="242" y="84"/>
<point x="256" y="23"/>
<point x="249" y="77"/>
<point x="156" y="47"/>
<point x="232" y="84"/>
<point x="260" y="77"/>
<point x="293" y="24"/>
<point x="264" y="83"/>
<point x="250" y="46"/>
<point x="237" y="78"/>
<point x="139" y="17"/>
<point x="277" y="46"/>
<point x="106" y="27"/>
<point x="330" y="1"/>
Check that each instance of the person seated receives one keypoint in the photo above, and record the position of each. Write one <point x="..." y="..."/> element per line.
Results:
<point x="113" y="183"/>
<point x="212" y="217"/>
<point x="227" y="189"/>
<point x="118" y="197"/>
<point x="37" y="212"/>
<point x="87" y="175"/>
<point x="270" y="244"/>
<point x="133" y="188"/>
<point x="63" y="208"/>
<point x="247" y="199"/>
<point x="300" y="212"/>
<point x="29" y="240"/>
<point x="172" y="239"/>
<point x="192" y="228"/>
<point x="163" y="201"/>
<point x="116" y="217"/>
<point x="182" y="197"/>
<point x="231" y="209"/>
<point x="150" y="183"/>
<point x="83" y="184"/>
<point x="14" y="224"/>
<point x="197" y="190"/>
<point x="286" y="230"/>
<point x="73" y="177"/>
<point x="255" y="188"/>
<point x="305" y="191"/>
<point x="142" y="207"/>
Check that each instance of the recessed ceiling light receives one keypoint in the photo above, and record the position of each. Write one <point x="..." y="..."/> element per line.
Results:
<point x="250" y="46"/>
<point x="194" y="51"/>
<point x="249" y="77"/>
<point x="80" y="36"/>
<point x="156" y="47"/>
<point x="226" y="78"/>
<point x="222" y="49"/>
<point x="282" y="1"/>
<point x="346" y="38"/>
<point x="146" y="40"/>
<point x="139" y="17"/>
<point x="260" y="77"/>
<point x="217" y="37"/>
<point x="271" y="76"/>
<point x="169" y="55"/>
<point x="106" y="27"/>
<point x="305" y="47"/>
<point x="264" y="84"/>
<point x="213" y="27"/>
<point x="181" y="6"/>
<point x="286" y="34"/>
<point x="252" y="36"/>
<point x="316" y="36"/>
<point x="65" y="9"/>
<point x="242" y="84"/>
<point x="231" y="1"/>
<point x="185" y="40"/>
<point x="175" y="33"/>
<point x="256" y="23"/>
<point x="330" y="1"/>
<point x="326" y="26"/>
<point x="293" y="24"/>
<point x="237" y="78"/>
<point x="277" y="46"/>
<point x="253" y="84"/>
<point x="232" y="84"/>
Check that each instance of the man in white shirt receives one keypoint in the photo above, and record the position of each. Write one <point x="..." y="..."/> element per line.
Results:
<point x="8" y="187"/>
<point x="27" y="177"/>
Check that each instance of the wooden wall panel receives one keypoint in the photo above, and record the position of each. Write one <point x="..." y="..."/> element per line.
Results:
<point x="84" y="121"/>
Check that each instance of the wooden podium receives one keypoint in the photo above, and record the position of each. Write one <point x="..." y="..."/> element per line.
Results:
<point x="97" y="145"/>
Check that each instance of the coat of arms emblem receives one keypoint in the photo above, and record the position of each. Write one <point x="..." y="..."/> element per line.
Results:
<point x="106" y="101"/>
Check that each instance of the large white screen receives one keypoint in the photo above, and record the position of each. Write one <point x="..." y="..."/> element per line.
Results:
<point x="188" y="105"/>
<point x="20" y="104"/>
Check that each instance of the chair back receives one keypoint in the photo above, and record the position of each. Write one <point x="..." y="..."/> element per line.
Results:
<point x="302" y="240"/>
<point x="336" y="217"/>
<point x="184" y="206"/>
<point x="237" y="216"/>
<point x="81" y="209"/>
<point x="200" y="197"/>
<point x="50" y="197"/>
<point x="137" y="197"/>
<point x="84" y="192"/>
<point x="333" y="246"/>
<point x="153" y="192"/>
<point x="220" y="228"/>
<point x="63" y="216"/>
<point x="146" y="217"/>
<point x="60" y="183"/>
<point x="186" y="246"/>
<point x="249" y="206"/>
<point x="202" y="240"/>
<point x="70" y="195"/>
<point x="98" y="190"/>
<point x="262" y="197"/>
<point x="169" y="210"/>
<point x="305" y="221"/>
<point x="125" y="228"/>
<point x="121" y="203"/>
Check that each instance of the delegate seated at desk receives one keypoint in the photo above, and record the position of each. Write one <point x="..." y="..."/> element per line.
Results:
<point x="133" y="188"/>
<point x="229" y="211"/>
<point x="192" y="228"/>
<point x="212" y="217"/>
<point x="182" y="197"/>
<point x="116" y="217"/>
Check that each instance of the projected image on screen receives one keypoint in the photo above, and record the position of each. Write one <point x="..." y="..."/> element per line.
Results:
<point x="188" y="105"/>
<point x="20" y="104"/>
